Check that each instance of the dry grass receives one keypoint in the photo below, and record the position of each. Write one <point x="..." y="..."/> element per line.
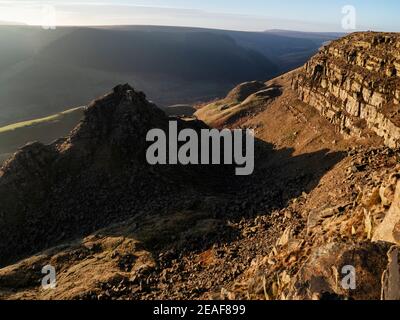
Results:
<point x="30" y="123"/>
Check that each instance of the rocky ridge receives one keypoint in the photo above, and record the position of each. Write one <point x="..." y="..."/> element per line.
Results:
<point x="95" y="176"/>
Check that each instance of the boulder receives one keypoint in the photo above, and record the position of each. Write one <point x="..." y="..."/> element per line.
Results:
<point x="391" y="276"/>
<point x="389" y="229"/>
<point x="323" y="274"/>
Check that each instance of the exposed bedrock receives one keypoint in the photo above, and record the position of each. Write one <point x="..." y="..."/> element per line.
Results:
<point x="355" y="83"/>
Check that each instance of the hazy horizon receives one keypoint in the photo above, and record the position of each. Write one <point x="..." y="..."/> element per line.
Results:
<point x="17" y="24"/>
<point x="254" y="15"/>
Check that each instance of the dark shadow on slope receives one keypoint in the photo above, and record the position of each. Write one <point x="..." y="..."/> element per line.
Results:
<point x="99" y="177"/>
<point x="204" y="194"/>
<point x="279" y="177"/>
<point x="201" y="218"/>
<point x="187" y="219"/>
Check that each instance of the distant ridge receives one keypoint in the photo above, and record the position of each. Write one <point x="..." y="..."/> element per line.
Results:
<point x="11" y="23"/>
<point x="307" y="35"/>
<point x="78" y="64"/>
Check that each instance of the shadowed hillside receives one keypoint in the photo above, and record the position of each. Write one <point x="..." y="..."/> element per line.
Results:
<point x="45" y="72"/>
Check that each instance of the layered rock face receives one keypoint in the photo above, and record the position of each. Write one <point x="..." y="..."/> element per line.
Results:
<point x="355" y="83"/>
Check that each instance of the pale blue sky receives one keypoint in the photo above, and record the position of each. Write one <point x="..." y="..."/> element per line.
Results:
<point x="255" y="15"/>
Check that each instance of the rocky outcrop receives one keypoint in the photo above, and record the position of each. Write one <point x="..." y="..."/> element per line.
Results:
<point x="51" y="192"/>
<point x="389" y="229"/>
<point x="354" y="82"/>
<point x="322" y="275"/>
<point x="391" y="277"/>
<point x="95" y="176"/>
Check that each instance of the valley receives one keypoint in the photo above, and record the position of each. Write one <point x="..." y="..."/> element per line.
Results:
<point x="46" y="72"/>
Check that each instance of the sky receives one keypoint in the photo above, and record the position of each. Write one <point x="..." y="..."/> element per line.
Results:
<point x="246" y="15"/>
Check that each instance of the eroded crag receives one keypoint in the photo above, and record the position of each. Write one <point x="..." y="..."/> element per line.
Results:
<point x="354" y="82"/>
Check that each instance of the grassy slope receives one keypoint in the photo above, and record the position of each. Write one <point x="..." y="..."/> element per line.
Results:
<point x="44" y="130"/>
